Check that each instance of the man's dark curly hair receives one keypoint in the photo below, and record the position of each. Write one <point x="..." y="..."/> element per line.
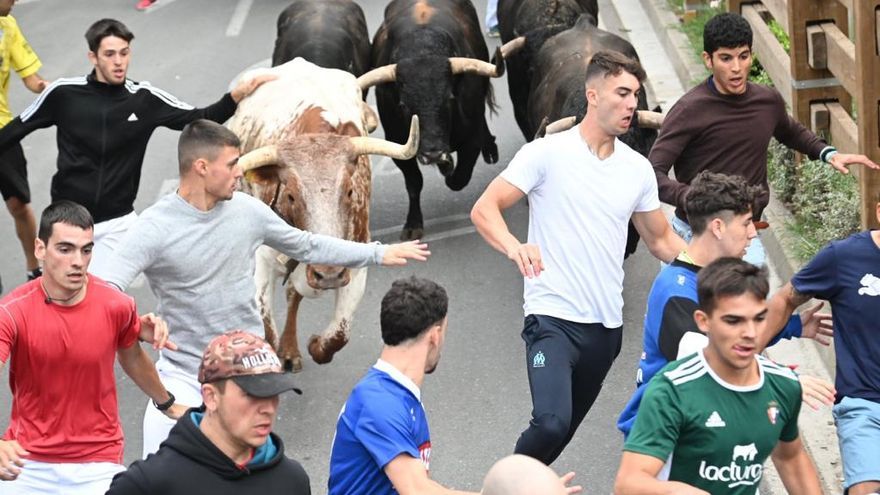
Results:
<point x="411" y="307"/>
<point x="711" y="195"/>
<point x="727" y="30"/>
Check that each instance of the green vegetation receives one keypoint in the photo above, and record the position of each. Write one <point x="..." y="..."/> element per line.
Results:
<point x="824" y="203"/>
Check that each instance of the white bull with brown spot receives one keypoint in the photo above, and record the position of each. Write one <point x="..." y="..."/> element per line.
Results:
<point x="305" y="154"/>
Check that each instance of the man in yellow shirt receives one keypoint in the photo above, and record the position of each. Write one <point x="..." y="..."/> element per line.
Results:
<point x="16" y="53"/>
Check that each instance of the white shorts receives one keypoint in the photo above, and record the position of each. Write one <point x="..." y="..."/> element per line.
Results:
<point x="56" y="478"/>
<point x="108" y="236"/>
<point x="187" y="391"/>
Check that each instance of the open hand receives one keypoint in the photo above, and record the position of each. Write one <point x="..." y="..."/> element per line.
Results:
<point x="816" y="391"/>
<point x="11" y="460"/>
<point x="566" y="479"/>
<point x="817" y="326"/>
<point x="527" y="258"/>
<point x="840" y="160"/>
<point x="247" y="86"/>
<point x="397" y="254"/>
<point x="155" y="331"/>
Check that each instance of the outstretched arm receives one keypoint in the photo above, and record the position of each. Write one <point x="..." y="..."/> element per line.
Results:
<point x="781" y="306"/>
<point x="662" y="241"/>
<point x="796" y="468"/>
<point x="35" y="83"/>
<point x="409" y="477"/>
<point x="487" y="218"/>
<point x="140" y="368"/>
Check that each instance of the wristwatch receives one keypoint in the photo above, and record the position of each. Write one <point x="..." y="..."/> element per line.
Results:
<point x="165" y="405"/>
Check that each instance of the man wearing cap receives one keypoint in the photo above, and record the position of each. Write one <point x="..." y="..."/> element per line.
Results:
<point x="226" y="446"/>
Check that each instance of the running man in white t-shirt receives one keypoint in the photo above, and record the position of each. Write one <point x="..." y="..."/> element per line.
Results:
<point x="583" y="186"/>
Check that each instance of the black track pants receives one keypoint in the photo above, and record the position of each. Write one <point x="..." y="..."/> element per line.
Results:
<point x="567" y="363"/>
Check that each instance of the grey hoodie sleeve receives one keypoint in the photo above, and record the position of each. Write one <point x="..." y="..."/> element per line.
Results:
<point x="306" y="247"/>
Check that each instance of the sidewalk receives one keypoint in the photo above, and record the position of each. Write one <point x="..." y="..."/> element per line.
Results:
<point x="672" y="68"/>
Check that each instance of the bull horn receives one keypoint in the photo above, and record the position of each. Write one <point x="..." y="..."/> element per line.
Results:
<point x="260" y="157"/>
<point x="379" y="75"/>
<point x="513" y="46"/>
<point x="465" y="65"/>
<point x="560" y="125"/>
<point x="649" y="120"/>
<point x="364" y="145"/>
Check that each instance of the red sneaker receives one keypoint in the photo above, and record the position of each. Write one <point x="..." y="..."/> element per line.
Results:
<point x="144" y="4"/>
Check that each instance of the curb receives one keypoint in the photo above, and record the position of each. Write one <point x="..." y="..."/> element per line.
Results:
<point x="676" y="43"/>
<point x="817" y="428"/>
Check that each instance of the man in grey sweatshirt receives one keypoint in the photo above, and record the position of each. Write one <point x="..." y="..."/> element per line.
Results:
<point x="196" y="247"/>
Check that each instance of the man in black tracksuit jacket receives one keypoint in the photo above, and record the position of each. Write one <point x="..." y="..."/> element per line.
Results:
<point x="225" y="447"/>
<point x="104" y="123"/>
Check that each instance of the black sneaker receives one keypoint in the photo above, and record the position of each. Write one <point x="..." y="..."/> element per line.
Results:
<point x="34" y="274"/>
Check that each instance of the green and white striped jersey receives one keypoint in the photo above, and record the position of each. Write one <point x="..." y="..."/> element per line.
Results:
<point x="714" y="435"/>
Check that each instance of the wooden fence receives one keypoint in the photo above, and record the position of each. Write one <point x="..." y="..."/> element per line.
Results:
<point x="832" y="71"/>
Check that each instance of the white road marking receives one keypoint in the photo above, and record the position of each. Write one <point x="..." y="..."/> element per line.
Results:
<point x="428" y="223"/>
<point x="238" y="17"/>
<point x="24" y="2"/>
<point x="450" y="233"/>
<point x="160" y="4"/>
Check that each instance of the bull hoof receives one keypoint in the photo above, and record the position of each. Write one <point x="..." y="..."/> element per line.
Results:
<point x="490" y="151"/>
<point x="411" y="234"/>
<point x="446" y="169"/>
<point x="293" y="364"/>
<point x="316" y="350"/>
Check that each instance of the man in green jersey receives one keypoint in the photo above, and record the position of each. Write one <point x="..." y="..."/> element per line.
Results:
<point x="709" y="421"/>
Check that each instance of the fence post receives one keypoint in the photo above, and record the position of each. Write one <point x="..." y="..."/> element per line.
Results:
<point x="867" y="42"/>
<point x="808" y="84"/>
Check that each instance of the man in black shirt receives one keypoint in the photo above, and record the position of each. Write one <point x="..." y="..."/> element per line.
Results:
<point x="104" y="123"/>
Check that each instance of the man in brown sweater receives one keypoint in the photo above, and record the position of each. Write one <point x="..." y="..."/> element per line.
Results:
<point x="724" y="125"/>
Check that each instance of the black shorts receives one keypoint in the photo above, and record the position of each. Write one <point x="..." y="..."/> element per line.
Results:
<point x="13" y="174"/>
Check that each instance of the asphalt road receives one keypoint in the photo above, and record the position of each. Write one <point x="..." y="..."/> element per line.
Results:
<point x="478" y="400"/>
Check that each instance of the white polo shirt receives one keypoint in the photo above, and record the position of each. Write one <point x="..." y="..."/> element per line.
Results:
<point x="579" y="209"/>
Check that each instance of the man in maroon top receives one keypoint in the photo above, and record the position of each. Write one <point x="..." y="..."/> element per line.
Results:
<point x="60" y="334"/>
<point x="724" y="125"/>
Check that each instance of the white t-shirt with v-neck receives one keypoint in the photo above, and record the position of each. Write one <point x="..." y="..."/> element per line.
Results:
<point x="579" y="209"/>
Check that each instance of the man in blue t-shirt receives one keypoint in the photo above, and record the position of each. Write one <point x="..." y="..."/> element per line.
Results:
<point x="847" y="274"/>
<point x="719" y="209"/>
<point x="382" y="443"/>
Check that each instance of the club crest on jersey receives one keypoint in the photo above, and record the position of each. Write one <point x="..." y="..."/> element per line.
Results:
<point x="772" y="412"/>
<point x="538" y="360"/>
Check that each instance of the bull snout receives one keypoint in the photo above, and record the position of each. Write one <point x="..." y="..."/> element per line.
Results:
<point x="327" y="277"/>
<point x="443" y="159"/>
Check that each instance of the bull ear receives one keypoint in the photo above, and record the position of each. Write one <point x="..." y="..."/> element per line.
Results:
<point x="371" y="121"/>
<point x="266" y="175"/>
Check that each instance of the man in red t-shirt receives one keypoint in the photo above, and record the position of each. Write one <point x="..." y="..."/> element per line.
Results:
<point x="60" y="334"/>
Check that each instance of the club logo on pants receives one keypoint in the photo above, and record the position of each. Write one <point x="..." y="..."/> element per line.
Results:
<point x="538" y="360"/>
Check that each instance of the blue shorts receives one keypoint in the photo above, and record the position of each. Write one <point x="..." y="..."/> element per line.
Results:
<point x="858" y="431"/>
